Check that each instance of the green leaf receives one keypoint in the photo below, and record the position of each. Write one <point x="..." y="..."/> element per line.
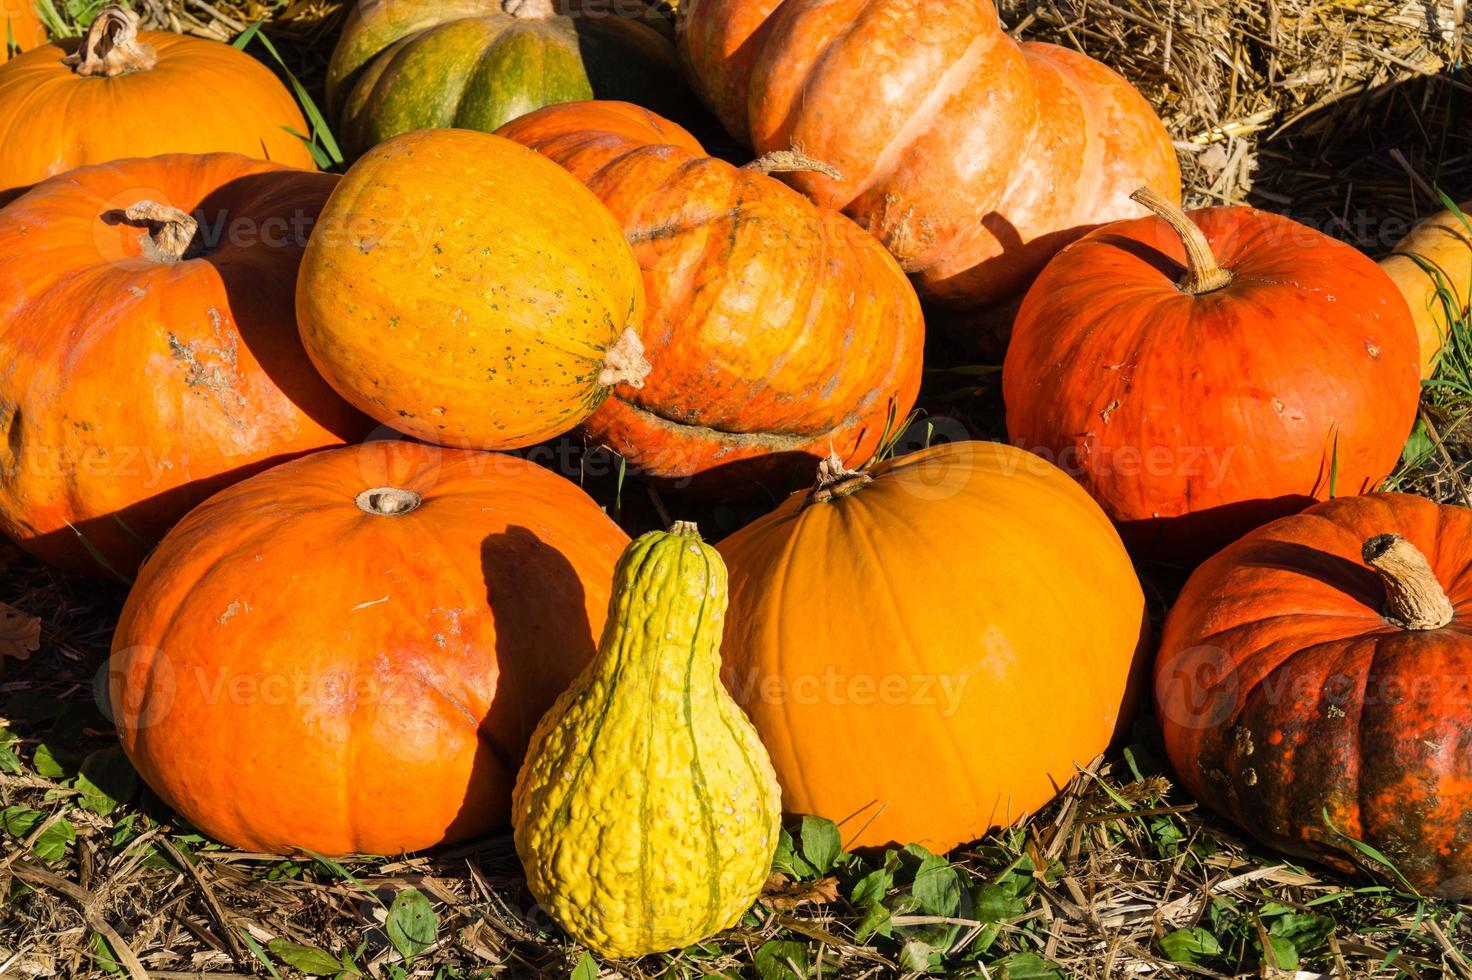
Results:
<point x="781" y="960"/>
<point x="996" y="904"/>
<point x="9" y="761"/>
<point x="54" y="841"/>
<point x="106" y="781"/>
<point x="103" y="955"/>
<point x="259" y="953"/>
<point x="412" y="923"/>
<point x="1305" y="930"/>
<point x="587" y="968"/>
<point x="788" y="861"/>
<point x="937" y="887"/>
<point x="916" y="956"/>
<point x="1280" y="953"/>
<point x="875" y="920"/>
<point x="821" y="843"/>
<point x="872" y="887"/>
<point x="1026" y="966"/>
<point x="51" y="763"/>
<point x="1190" y="945"/>
<point x="307" y="959"/>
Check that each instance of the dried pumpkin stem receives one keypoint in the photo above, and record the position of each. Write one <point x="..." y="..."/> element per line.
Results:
<point x="172" y="235"/>
<point x="1414" y="599"/>
<point x="686" y="529"/>
<point x="624" y="362"/>
<point x="388" y="501"/>
<point x="529" y="9"/>
<point x="791" y="161"/>
<point x="1203" y="275"/>
<point x="836" y="480"/>
<point x="111" y="46"/>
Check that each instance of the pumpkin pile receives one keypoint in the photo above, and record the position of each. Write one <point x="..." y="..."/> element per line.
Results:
<point x="284" y="406"/>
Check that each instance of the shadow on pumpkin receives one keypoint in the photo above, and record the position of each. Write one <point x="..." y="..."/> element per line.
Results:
<point x="1190" y="539"/>
<point x="543" y="641"/>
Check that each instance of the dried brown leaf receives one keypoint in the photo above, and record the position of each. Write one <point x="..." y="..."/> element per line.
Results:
<point x="20" y="634"/>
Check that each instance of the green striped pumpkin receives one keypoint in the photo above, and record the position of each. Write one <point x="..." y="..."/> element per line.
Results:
<point x="404" y="65"/>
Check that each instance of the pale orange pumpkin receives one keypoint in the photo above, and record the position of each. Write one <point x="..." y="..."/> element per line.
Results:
<point x="929" y="648"/>
<point x="20" y="27"/>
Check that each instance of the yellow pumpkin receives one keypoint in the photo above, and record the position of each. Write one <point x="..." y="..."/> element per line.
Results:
<point x="470" y="292"/>
<point x="1432" y="267"/>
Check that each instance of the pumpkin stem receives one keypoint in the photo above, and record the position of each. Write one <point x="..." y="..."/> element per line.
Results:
<point x="1414" y="599"/>
<point x="1203" y="275"/>
<point x="529" y="9"/>
<point x="836" y="480"/>
<point x="624" y="362"/>
<point x="686" y="529"/>
<point x="111" y="46"/>
<point x="172" y="235"/>
<point x="388" y="501"/>
<point x="791" y="161"/>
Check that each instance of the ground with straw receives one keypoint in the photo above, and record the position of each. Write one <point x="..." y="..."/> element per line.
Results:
<point x="1342" y="114"/>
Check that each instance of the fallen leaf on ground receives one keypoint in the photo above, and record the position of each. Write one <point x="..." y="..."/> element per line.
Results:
<point x="20" y="635"/>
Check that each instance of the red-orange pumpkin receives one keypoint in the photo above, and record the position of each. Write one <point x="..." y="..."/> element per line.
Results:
<point x="20" y="27"/>
<point x="779" y="329"/>
<point x="1280" y="370"/>
<point x="148" y="349"/>
<point x="349" y="652"/>
<point x="972" y="157"/>
<point x="122" y="93"/>
<point x="1307" y="701"/>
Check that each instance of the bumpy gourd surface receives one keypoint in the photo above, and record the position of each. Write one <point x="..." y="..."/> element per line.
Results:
<point x="647" y="812"/>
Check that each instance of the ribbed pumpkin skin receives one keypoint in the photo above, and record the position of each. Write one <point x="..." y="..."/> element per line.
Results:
<point x="912" y="653"/>
<point x="291" y="673"/>
<point x="201" y="97"/>
<point x="1435" y="256"/>
<point x="478" y="320"/>
<point x="975" y="161"/>
<point x="401" y="66"/>
<point x="133" y="389"/>
<point x="778" y="329"/>
<point x="1283" y="692"/>
<point x="19" y="25"/>
<point x="1194" y="419"/>
<point x="647" y="812"/>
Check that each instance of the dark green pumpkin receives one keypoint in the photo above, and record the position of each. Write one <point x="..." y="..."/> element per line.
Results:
<point x="403" y="65"/>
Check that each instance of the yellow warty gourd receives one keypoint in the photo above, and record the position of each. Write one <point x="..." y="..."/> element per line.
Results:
<point x="647" y="811"/>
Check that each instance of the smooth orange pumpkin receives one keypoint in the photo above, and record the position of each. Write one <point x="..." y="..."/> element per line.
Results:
<point x="122" y="93"/>
<point x="1432" y="267"/>
<point x="1283" y="368"/>
<point x="896" y="637"/>
<point x="780" y="331"/>
<point x="349" y="652"/>
<point x="149" y="349"/>
<point x="1313" y="685"/>
<point x="20" y="27"/>
<point x="972" y="157"/>
<point x="467" y="291"/>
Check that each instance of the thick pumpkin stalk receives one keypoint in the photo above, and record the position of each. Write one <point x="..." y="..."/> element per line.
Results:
<point x="111" y="46"/>
<point x="1414" y="599"/>
<point x="647" y="812"/>
<point x="1203" y="275"/>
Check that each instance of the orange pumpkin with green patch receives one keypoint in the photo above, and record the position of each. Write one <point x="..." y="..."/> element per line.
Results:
<point x="492" y="319"/>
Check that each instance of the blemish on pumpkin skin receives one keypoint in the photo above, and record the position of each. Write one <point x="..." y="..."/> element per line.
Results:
<point x="1249" y="777"/>
<point x="1109" y="411"/>
<point x="236" y="606"/>
<point x="1372" y="348"/>
<point x="1243" y="741"/>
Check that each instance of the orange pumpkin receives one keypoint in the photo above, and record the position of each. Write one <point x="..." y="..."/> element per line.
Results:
<point x="150" y="353"/>
<point x="972" y="157"/>
<point x="20" y="27"/>
<point x="349" y="652"/>
<point x="1203" y="374"/>
<point x="489" y="318"/>
<point x="895" y="636"/>
<point x="780" y="330"/>
<point x="1432" y="267"/>
<point x="124" y="93"/>
<point x="1313" y="684"/>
